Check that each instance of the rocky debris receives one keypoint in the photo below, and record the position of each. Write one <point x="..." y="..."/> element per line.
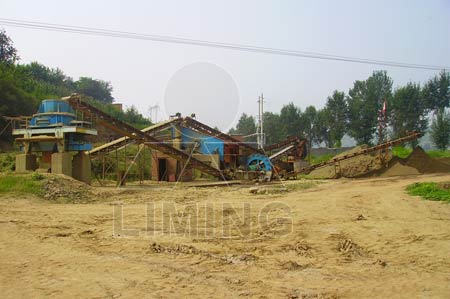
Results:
<point x="380" y="262"/>
<point x="348" y="248"/>
<point x="64" y="188"/>
<point x="253" y="190"/>
<point x="360" y="217"/>
<point x="291" y="266"/>
<point x="301" y="248"/>
<point x="239" y="259"/>
<point x="300" y="294"/>
<point x="191" y="250"/>
<point x="268" y="190"/>
<point x="177" y="249"/>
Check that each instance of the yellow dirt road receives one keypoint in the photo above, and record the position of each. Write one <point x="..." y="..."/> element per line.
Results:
<point x="349" y="239"/>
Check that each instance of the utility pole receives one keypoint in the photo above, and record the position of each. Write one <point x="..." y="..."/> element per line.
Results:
<point x="156" y="109"/>
<point x="382" y="131"/>
<point x="260" y="128"/>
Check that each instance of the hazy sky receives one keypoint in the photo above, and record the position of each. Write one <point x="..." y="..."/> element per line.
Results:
<point x="141" y="71"/>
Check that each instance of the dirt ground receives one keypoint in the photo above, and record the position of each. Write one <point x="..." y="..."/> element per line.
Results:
<point x="343" y="238"/>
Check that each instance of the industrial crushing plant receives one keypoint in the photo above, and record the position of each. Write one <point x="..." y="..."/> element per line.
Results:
<point x="55" y="139"/>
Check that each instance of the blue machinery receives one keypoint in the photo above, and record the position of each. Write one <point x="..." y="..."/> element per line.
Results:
<point x="59" y="136"/>
<point x="259" y="164"/>
<point x="58" y="133"/>
<point x="55" y="128"/>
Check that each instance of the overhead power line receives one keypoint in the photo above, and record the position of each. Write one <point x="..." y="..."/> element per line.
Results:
<point x="203" y="43"/>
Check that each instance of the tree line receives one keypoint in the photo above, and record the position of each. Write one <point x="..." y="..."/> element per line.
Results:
<point x="24" y="86"/>
<point x="412" y="107"/>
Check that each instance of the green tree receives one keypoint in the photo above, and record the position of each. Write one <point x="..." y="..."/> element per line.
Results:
<point x="135" y="118"/>
<point x="131" y="115"/>
<point x="337" y="112"/>
<point x="437" y="91"/>
<point x="364" y="101"/>
<point x="408" y="111"/>
<point x="272" y="127"/>
<point x="308" y="118"/>
<point x="8" y="53"/>
<point x="43" y="82"/>
<point x="440" y="129"/>
<point x="291" y="121"/>
<point x="97" y="89"/>
<point x="321" y="128"/>
<point x="246" y="126"/>
<point x="13" y="100"/>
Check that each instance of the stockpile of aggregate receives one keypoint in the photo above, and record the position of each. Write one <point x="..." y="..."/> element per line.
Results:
<point x="350" y="168"/>
<point x="418" y="162"/>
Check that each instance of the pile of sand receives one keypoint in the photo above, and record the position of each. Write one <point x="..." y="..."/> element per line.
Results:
<point x="397" y="169"/>
<point x="424" y="163"/>
<point x="418" y="162"/>
<point x="350" y="168"/>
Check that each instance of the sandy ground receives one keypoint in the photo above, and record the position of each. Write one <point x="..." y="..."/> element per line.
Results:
<point x="350" y="239"/>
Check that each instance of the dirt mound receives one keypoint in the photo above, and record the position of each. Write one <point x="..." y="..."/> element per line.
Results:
<point x="418" y="162"/>
<point x="350" y="168"/>
<point x="66" y="189"/>
<point x="425" y="164"/>
<point x="398" y="169"/>
<point x="443" y="160"/>
<point x="352" y="150"/>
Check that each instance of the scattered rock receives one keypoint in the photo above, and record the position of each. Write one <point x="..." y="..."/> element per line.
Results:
<point x="191" y="250"/>
<point x="360" y="217"/>
<point x="349" y="248"/>
<point x="239" y="259"/>
<point x="60" y="187"/>
<point x="291" y="266"/>
<point x="301" y="248"/>
<point x="380" y="262"/>
<point x="253" y="190"/>
<point x="87" y="232"/>
<point x="62" y="235"/>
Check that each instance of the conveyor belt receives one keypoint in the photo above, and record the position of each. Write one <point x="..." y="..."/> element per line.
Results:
<point x="136" y="134"/>
<point x="123" y="141"/>
<point x="287" y="146"/>
<point x="207" y="130"/>
<point x="287" y="141"/>
<point x="283" y="151"/>
<point x="391" y="143"/>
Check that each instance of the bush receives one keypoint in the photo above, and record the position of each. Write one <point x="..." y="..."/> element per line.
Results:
<point x="7" y="162"/>
<point x="429" y="191"/>
<point x="439" y="154"/>
<point x="319" y="159"/>
<point x="401" y="152"/>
